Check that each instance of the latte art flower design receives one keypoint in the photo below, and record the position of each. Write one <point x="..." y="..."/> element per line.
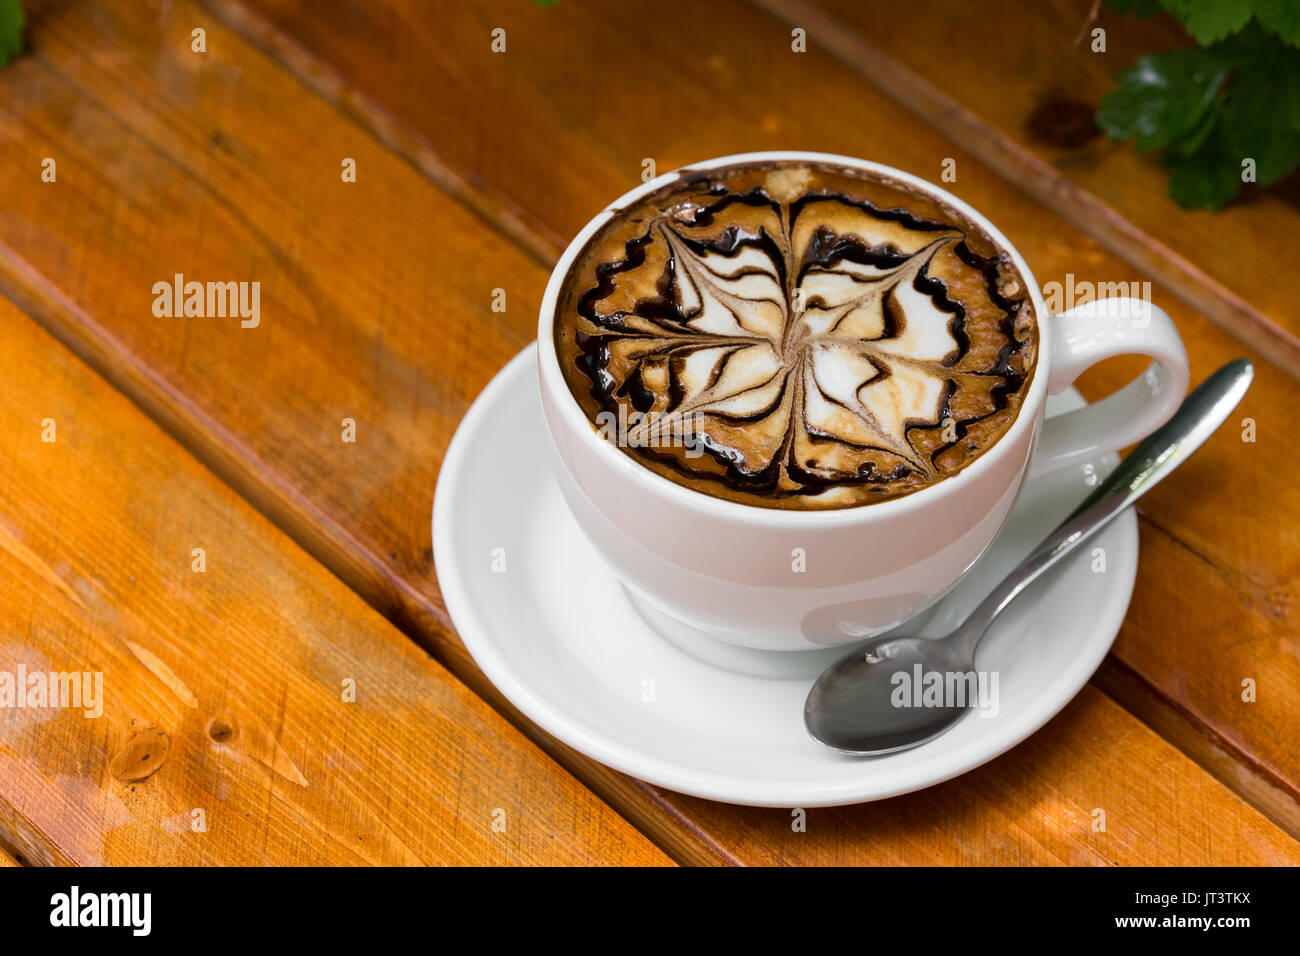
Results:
<point x="801" y="343"/>
<point x="849" y="354"/>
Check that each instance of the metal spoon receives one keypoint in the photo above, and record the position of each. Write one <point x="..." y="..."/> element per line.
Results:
<point x="850" y="707"/>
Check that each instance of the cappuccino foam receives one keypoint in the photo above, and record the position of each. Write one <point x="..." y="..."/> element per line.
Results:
<point x="826" y="337"/>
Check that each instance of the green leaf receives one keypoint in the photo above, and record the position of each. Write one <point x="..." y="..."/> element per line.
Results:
<point x="1211" y="20"/>
<point x="11" y="30"/>
<point x="1163" y="99"/>
<point x="1259" y="118"/>
<point x="1194" y="140"/>
<point x="1138" y="8"/>
<point x="1281" y="18"/>
<point x="1206" y="179"/>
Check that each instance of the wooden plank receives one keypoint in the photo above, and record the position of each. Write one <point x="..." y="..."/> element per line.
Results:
<point x="254" y="711"/>
<point x="1026" y="116"/>
<point x="751" y="91"/>
<point x="236" y="146"/>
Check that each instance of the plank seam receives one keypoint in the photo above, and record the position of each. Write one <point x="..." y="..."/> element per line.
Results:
<point x="519" y="228"/>
<point x="1120" y="682"/>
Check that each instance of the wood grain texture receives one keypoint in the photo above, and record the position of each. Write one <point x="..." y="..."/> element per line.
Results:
<point x="223" y="733"/>
<point x="1216" y="557"/>
<point x="1028" y="115"/>
<point x="376" y="302"/>
<point x="203" y="167"/>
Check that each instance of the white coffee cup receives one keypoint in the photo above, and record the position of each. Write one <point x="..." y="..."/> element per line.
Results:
<point x="712" y="568"/>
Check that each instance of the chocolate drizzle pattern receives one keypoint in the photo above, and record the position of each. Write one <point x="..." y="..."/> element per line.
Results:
<point x="822" y="349"/>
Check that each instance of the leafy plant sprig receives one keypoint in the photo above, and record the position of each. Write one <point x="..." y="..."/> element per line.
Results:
<point x="1233" y="99"/>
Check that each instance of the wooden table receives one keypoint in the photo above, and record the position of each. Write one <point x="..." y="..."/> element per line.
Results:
<point x="296" y="693"/>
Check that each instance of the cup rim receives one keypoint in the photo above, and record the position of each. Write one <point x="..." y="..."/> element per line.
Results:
<point x="567" y="405"/>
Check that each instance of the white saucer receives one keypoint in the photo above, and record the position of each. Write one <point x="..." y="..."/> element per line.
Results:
<point x="557" y="634"/>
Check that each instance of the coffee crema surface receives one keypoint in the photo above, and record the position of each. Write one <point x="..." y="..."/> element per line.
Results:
<point x="796" y="335"/>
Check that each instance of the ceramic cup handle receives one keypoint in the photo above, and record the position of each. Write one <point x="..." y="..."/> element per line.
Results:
<point x="1100" y="330"/>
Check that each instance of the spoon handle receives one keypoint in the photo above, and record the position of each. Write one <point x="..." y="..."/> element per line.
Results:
<point x="1200" y="414"/>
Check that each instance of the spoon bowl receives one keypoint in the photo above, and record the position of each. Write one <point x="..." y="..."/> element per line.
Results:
<point x="866" y="703"/>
